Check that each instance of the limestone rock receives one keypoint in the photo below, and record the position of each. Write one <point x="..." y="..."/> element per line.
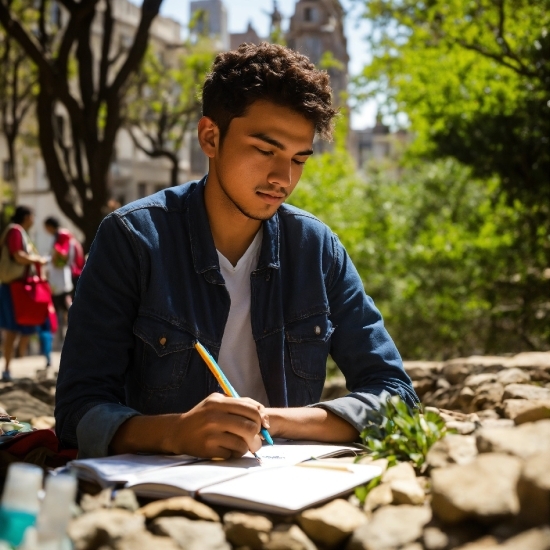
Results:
<point x="462" y="428"/>
<point x="534" y="490"/>
<point x="402" y="470"/>
<point x="391" y="527"/>
<point x="534" y="539"/>
<point x="89" y="502"/>
<point x="192" y="535"/>
<point x="526" y="410"/>
<point x="143" y="540"/>
<point x="379" y="496"/>
<point x="513" y="376"/>
<point x="423" y="386"/>
<point x="475" y="380"/>
<point x="332" y="523"/>
<point x="485" y="543"/>
<point x="488" y="396"/>
<point x="103" y="527"/>
<point x="524" y="441"/>
<point x="418" y="370"/>
<point x="24" y="406"/>
<point x="43" y="422"/>
<point x="178" y="506"/>
<point x="452" y="449"/>
<point x="435" y="539"/>
<point x="525" y="391"/>
<point x="484" y="490"/>
<point x="245" y="529"/>
<point x="407" y="491"/>
<point x="289" y="537"/>
<point x="531" y="359"/>
<point x="126" y="499"/>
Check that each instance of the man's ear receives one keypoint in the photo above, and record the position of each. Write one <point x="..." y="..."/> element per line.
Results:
<point x="209" y="136"/>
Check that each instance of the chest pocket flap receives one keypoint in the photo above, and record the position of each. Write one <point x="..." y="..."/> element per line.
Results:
<point x="162" y="336"/>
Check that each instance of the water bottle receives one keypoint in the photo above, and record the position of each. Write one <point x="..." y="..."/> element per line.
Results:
<point x="20" y="501"/>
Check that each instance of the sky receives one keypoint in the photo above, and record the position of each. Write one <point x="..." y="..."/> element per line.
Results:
<point x="240" y="12"/>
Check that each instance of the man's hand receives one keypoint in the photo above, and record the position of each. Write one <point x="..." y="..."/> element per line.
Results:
<point x="218" y="426"/>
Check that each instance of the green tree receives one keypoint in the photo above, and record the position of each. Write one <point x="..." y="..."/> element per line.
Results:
<point x="18" y="82"/>
<point x="164" y="101"/>
<point x="81" y="92"/>
<point x="474" y="80"/>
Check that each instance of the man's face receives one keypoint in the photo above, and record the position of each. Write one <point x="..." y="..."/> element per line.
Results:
<point x="261" y="158"/>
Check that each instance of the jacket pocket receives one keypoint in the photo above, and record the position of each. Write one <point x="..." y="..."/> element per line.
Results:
<point x="308" y="343"/>
<point x="163" y="353"/>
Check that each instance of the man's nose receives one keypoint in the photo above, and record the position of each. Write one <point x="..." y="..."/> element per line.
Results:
<point x="281" y="174"/>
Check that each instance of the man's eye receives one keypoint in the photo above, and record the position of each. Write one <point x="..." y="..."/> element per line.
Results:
<point x="265" y="153"/>
<point x="298" y="162"/>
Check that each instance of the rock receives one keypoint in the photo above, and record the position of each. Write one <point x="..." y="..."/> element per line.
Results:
<point x="178" y="506"/>
<point x="402" y="470"/>
<point x="534" y="490"/>
<point x="530" y="359"/>
<point x="24" y="406"/>
<point x="331" y="524"/>
<point x="485" y="543"/>
<point x="484" y="490"/>
<point x="43" y="422"/>
<point x="418" y="370"/>
<point x="457" y="370"/>
<point x="391" y="527"/>
<point x="524" y="441"/>
<point x="513" y="376"/>
<point x="534" y="539"/>
<point x="125" y="499"/>
<point x="379" y="496"/>
<point x="423" y="386"/>
<point x="245" y="529"/>
<point x="289" y="537"/>
<point x="462" y="428"/>
<point x="526" y="410"/>
<point x="103" y="527"/>
<point x="488" y="396"/>
<point x="143" y="539"/>
<point x="452" y="449"/>
<point x="464" y="399"/>
<point x="435" y="539"/>
<point x="525" y="391"/>
<point x="89" y="503"/>
<point x="475" y="380"/>
<point x="192" y="535"/>
<point x="442" y="383"/>
<point x="407" y="491"/>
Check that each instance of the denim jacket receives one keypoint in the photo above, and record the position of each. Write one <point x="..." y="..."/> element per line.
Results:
<point x="152" y="287"/>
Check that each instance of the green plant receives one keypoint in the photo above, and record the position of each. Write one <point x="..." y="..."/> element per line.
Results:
<point x="401" y="434"/>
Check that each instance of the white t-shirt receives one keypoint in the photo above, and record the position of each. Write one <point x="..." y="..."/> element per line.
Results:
<point x="238" y="355"/>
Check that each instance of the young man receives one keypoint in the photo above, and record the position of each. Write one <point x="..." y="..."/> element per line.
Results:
<point x="268" y="289"/>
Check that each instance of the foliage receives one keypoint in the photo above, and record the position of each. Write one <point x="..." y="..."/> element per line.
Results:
<point x="18" y="82"/>
<point x="164" y="101"/>
<point x="82" y="80"/>
<point x="446" y="259"/>
<point x="474" y="80"/>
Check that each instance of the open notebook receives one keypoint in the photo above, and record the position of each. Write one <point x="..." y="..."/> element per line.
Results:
<point x="286" y="481"/>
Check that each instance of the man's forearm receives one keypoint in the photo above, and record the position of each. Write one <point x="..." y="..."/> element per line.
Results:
<point x="146" y="434"/>
<point x="310" y="423"/>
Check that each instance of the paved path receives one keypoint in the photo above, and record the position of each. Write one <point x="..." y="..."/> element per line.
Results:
<point x="27" y="366"/>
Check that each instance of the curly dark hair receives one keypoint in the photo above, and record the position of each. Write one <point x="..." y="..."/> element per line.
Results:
<point x="270" y="72"/>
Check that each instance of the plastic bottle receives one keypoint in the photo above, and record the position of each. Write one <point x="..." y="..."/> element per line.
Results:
<point x="54" y="516"/>
<point x="20" y="501"/>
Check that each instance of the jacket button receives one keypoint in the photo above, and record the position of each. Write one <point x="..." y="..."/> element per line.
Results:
<point x="317" y="330"/>
<point x="162" y="341"/>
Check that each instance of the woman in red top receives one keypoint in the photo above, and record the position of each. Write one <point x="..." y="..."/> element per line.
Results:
<point x="22" y="252"/>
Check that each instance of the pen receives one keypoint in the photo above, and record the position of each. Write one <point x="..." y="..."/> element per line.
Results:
<point x="325" y="466"/>
<point x="227" y="388"/>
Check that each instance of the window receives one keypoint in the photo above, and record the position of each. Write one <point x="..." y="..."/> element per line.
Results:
<point x="310" y="15"/>
<point x="142" y="190"/>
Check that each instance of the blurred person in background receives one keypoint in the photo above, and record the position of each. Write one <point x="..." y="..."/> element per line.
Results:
<point x="22" y="252"/>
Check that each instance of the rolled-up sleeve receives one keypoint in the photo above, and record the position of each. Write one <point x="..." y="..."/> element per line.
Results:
<point x="98" y="348"/>
<point x="362" y="348"/>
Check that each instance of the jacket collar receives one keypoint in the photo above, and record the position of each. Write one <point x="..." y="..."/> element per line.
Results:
<point x="205" y="257"/>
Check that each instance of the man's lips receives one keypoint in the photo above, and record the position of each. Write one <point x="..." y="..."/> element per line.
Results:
<point x="271" y="197"/>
